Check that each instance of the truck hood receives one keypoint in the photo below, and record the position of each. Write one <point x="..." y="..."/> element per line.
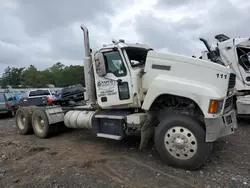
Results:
<point x="189" y="60"/>
<point x="242" y="42"/>
<point x="178" y="72"/>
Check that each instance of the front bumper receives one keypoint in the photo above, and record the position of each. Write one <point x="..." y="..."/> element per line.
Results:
<point x="221" y="126"/>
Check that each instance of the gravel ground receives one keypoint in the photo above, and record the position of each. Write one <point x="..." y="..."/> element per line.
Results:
<point x="75" y="158"/>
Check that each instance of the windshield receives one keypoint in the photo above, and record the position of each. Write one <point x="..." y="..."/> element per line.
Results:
<point x="39" y="93"/>
<point x="137" y="56"/>
<point x="244" y="58"/>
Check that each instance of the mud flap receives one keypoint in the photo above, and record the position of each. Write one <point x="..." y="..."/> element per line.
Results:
<point x="147" y="129"/>
<point x="54" y="114"/>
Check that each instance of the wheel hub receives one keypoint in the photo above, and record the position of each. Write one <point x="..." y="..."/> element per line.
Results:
<point x="180" y="142"/>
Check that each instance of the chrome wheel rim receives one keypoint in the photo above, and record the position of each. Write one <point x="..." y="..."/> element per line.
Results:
<point x="180" y="142"/>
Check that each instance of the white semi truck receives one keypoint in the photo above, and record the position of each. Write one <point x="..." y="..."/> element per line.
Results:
<point x="179" y="101"/>
<point x="234" y="53"/>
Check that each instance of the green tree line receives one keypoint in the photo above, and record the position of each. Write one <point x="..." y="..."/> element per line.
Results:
<point x="58" y="75"/>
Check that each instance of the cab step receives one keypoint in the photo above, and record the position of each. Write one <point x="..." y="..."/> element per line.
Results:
<point x="110" y="124"/>
<point x="109" y="136"/>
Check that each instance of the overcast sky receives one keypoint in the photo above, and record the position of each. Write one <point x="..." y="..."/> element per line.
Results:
<point x="44" y="32"/>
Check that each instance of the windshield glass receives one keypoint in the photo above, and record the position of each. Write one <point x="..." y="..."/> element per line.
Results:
<point x="244" y="58"/>
<point x="137" y="56"/>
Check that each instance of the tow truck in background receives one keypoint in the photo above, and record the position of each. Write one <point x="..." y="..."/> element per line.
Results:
<point x="234" y="53"/>
<point x="131" y="88"/>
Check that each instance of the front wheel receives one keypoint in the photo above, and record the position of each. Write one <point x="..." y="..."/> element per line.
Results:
<point x="180" y="141"/>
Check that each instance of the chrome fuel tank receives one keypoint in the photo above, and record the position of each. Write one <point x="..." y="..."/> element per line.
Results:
<point x="79" y="119"/>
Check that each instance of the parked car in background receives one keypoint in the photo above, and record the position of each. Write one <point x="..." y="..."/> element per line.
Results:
<point x="8" y="103"/>
<point x="38" y="97"/>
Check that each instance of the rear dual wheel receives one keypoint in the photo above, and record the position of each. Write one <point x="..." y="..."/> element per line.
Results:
<point x="23" y="121"/>
<point x="180" y="141"/>
<point x="41" y="126"/>
<point x="27" y="122"/>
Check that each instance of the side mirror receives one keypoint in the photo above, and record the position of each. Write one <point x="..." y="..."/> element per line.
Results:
<point x="100" y="64"/>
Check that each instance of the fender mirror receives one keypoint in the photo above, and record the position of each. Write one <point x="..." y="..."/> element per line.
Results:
<point x="100" y="64"/>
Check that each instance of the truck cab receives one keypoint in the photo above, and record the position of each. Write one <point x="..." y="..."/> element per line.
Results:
<point x="117" y="76"/>
<point x="136" y="76"/>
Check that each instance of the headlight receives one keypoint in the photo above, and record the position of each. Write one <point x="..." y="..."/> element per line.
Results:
<point x="215" y="106"/>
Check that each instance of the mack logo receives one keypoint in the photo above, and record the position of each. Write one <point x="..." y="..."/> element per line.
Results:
<point x="106" y="84"/>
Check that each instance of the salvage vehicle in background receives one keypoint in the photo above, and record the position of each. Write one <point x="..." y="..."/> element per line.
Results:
<point x="38" y="97"/>
<point x="8" y="103"/>
<point x="131" y="88"/>
<point x="72" y="92"/>
<point x="234" y="53"/>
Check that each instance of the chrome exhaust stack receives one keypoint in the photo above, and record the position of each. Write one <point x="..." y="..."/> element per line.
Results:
<point x="88" y="69"/>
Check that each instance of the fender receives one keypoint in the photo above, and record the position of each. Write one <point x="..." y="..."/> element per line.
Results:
<point x="199" y="92"/>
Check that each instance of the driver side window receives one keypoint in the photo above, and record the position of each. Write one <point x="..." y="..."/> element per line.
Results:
<point x="114" y="63"/>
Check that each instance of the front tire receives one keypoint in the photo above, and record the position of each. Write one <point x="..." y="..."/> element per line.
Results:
<point x="180" y="141"/>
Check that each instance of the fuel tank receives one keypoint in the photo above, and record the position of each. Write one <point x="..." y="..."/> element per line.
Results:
<point x="79" y="119"/>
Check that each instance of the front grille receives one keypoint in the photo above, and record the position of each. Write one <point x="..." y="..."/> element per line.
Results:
<point x="228" y="104"/>
<point x="232" y="81"/>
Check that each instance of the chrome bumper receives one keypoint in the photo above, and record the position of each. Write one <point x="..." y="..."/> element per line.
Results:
<point x="221" y="126"/>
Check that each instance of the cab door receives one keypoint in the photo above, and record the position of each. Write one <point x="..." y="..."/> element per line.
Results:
<point x="114" y="88"/>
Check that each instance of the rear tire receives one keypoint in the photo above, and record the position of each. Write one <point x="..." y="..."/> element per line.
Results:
<point x="40" y="124"/>
<point x="180" y="141"/>
<point x="23" y="122"/>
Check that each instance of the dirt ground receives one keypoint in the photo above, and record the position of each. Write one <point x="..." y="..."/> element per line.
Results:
<point x="75" y="158"/>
